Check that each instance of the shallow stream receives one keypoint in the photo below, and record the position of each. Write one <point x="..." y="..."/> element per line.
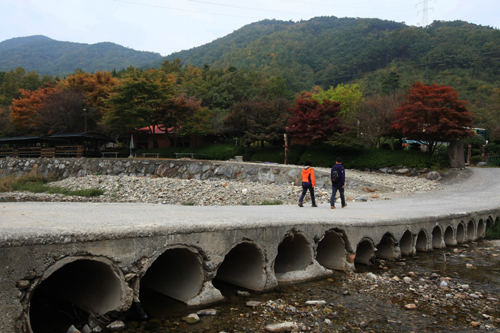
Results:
<point x="354" y="302"/>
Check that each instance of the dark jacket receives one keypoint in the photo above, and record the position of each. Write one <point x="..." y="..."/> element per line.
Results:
<point x="341" y="171"/>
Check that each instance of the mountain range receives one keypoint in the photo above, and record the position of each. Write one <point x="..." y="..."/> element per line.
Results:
<point x="322" y="51"/>
<point x="48" y="56"/>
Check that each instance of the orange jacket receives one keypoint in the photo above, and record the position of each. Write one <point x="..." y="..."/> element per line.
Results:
<point x="306" y="173"/>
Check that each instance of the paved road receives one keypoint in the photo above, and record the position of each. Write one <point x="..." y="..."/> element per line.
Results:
<point x="42" y="222"/>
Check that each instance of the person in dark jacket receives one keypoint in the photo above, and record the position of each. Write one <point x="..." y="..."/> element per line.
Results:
<point x="308" y="182"/>
<point x="338" y="183"/>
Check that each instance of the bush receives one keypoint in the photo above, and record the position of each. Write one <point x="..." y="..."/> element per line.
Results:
<point x="476" y="142"/>
<point x="492" y="149"/>
<point x="361" y="158"/>
<point x="220" y="151"/>
<point x="277" y="154"/>
<point x="493" y="232"/>
<point x="476" y="152"/>
<point x="476" y="159"/>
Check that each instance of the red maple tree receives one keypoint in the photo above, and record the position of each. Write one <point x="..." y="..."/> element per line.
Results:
<point x="433" y="114"/>
<point x="314" y="120"/>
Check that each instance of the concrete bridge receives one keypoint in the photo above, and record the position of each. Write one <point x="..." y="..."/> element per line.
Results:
<point x="101" y="256"/>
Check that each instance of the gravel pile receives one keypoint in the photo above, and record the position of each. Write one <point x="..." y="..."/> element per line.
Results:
<point x="360" y="186"/>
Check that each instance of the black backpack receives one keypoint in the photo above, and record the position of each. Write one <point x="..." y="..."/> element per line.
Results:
<point x="335" y="177"/>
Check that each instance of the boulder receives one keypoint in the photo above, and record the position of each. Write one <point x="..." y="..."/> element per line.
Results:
<point x="433" y="175"/>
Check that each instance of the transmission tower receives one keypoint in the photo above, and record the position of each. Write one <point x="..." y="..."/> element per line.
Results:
<point x="425" y="11"/>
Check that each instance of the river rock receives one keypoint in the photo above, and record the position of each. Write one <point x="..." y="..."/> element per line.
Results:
<point x="286" y="326"/>
<point x="117" y="325"/>
<point x="253" y="304"/>
<point x="410" y="307"/>
<point x="433" y="175"/>
<point x="191" y="318"/>
<point x="243" y="293"/>
<point x="73" y="329"/>
<point x="207" y="312"/>
<point x="315" y="302"/>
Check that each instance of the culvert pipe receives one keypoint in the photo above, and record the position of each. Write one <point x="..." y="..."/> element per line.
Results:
<point x="176" y="273"/>
<point x="437" y="238"/>
<point x="365" y="252"/>
<point x="461" y="234"/>
<point x="406" y="243"/>
<point x="244" y="266"/>
<point x="386" y="249"/>
<point x="480" y="229"/>
<point x="93" y="285"/>
<point x="470" y="232"/>
<point x="422" y="243"/>
<point x="294" y="254"/>
<point x="331" y="252"/>
<point x="449" y="238"/>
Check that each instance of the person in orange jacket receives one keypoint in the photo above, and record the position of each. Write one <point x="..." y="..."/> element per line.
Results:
<point x="308" y="182"/>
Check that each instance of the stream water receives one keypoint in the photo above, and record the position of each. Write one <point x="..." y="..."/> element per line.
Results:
<point x="353" y="302"/>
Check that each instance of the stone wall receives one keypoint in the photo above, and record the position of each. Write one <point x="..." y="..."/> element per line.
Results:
<point x="182" y="168"/>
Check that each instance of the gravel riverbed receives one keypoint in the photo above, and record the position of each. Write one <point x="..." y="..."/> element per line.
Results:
<point x="360" y="186"/>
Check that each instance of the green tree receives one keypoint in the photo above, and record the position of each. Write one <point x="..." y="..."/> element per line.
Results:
<point x="11" y="85"/>
<point x="140" y="100"/>
<point x="349" y="97"/>
<point x="391" y="84"/>
<point x="259" y="119"/>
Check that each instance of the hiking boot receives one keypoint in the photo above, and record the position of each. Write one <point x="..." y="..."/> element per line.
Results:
<point x="333" y="207"/>
<point x="300" y="204"/>
<point x="314" y="205"/>
<point x="344" y="206"/>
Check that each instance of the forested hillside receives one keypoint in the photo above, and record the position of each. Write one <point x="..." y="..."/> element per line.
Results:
<point x="47" y="56"/>
<point x="326" y="51"/>
<point x="367" y="65"/>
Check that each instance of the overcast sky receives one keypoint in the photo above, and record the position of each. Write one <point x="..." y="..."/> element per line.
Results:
<point x="167" y="26"/>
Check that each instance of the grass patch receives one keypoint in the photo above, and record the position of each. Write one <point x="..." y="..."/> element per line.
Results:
<point x="38" y="184"/>
<point x="188" y="203"/>
<point x="493" y="232"/>
<point x="271" y="202"/>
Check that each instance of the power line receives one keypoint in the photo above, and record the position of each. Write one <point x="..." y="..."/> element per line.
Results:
<point x="241" y="7"/>
<point x="183" y="10"/>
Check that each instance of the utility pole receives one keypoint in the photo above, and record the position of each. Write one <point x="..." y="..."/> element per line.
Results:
<point x="286" y="148"/>
<point x="425" y="11"/>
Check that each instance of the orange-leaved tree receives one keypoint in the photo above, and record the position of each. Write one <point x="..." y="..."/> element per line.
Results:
<point x="24" y="110"/>
<point x="433" y="114"/>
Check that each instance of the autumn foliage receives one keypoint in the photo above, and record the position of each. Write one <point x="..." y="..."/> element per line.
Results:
<point x="432" y="114"/>
<point x="23" y="111"/>
<point x="314" y="120"/>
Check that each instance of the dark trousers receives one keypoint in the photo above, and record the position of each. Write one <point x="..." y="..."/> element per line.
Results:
<point x="311" y="191"/>
<point x="334" y="194"/>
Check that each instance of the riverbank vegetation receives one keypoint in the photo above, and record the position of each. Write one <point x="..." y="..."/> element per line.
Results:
<point x="35" y="183"/>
